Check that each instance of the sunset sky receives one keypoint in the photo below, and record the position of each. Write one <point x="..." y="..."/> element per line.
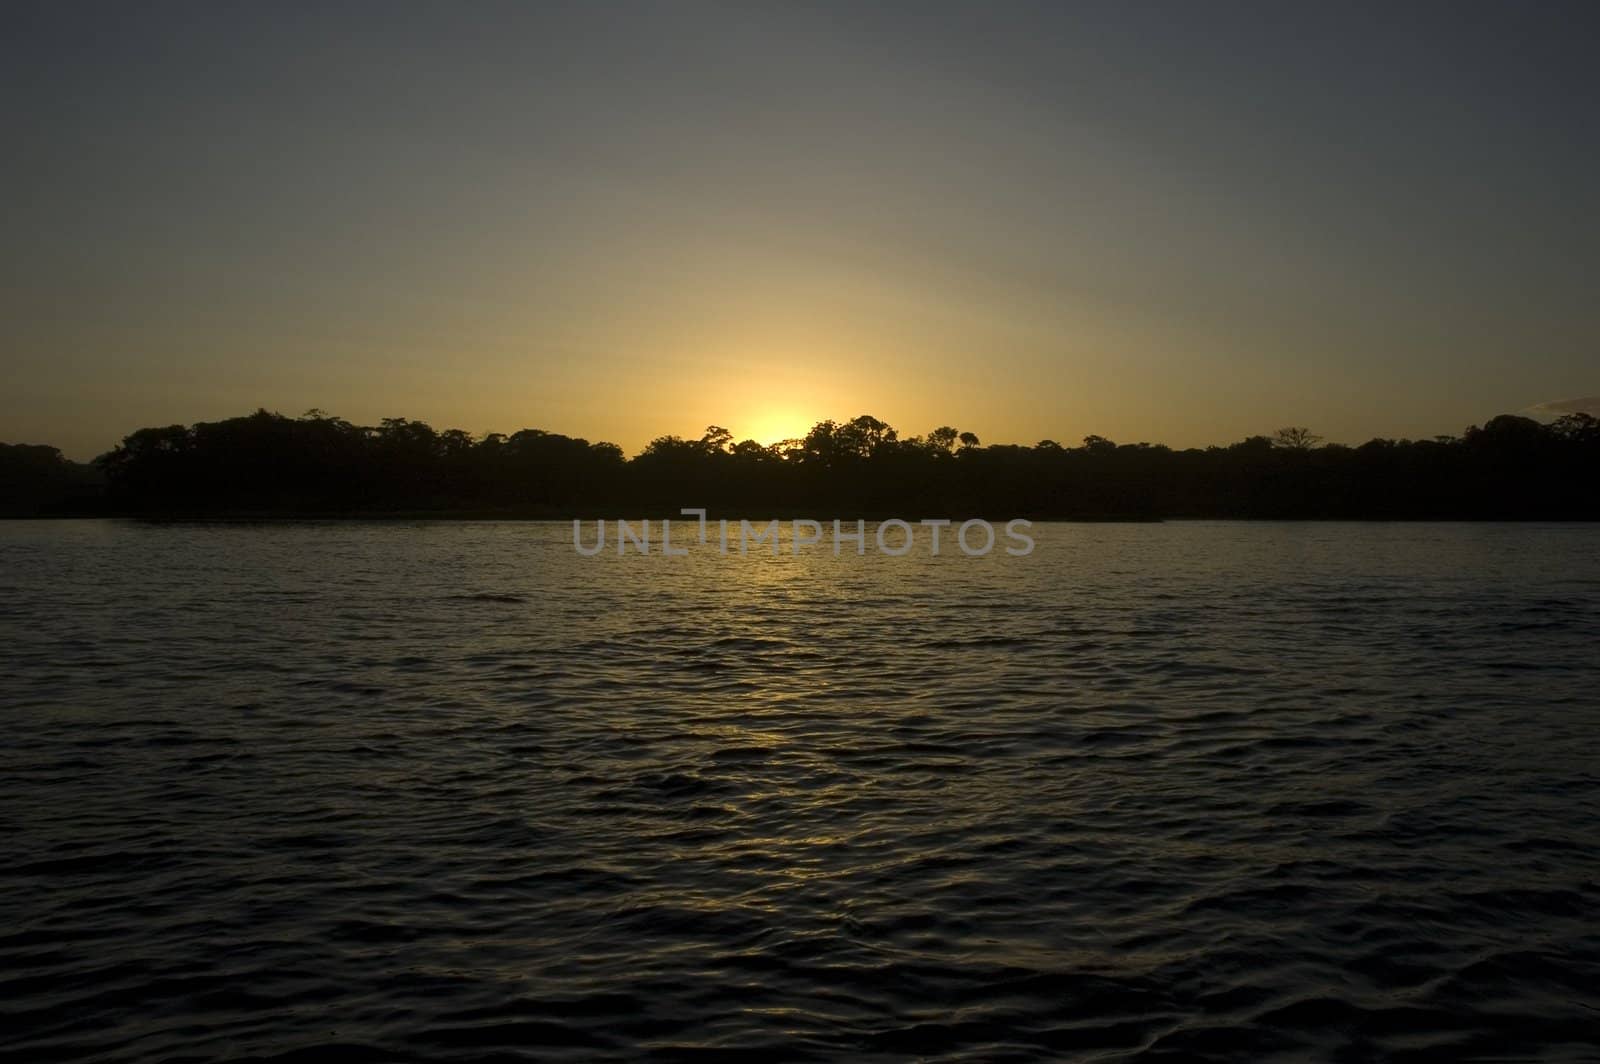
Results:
<point x="1176" y="222"/>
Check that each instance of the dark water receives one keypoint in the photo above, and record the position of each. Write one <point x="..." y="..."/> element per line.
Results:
<point x="451" y="792"/>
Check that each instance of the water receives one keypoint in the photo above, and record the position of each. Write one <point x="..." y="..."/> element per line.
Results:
<point x="451" y="792"/>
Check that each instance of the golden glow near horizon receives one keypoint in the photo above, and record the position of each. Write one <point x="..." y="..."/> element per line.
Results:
<point x="1182" y="229"/>
<point x="773" y="426"/>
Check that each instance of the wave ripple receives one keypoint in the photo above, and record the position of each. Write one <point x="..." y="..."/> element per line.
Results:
<point x="452" y="793"/>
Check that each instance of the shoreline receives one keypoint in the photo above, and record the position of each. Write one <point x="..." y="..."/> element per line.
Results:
<point x="442" y="516"/>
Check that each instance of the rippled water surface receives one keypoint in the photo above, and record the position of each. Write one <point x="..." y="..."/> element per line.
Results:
<point x="452" y="792"/>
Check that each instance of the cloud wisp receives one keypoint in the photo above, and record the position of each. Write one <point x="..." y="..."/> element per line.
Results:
<point x="1549" y="411"/>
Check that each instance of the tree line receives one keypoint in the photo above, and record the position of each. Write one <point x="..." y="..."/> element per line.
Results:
<point x="267" y="464"/>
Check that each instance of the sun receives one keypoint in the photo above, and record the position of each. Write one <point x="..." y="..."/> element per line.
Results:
<point x="773" y="426"/>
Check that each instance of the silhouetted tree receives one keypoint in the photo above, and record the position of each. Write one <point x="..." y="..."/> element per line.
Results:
<point x="266" y="463"/>
<point x="716" y="439"/>
<point x="1296" y="439"/>
<point x="1577" y="428"/>
<point x="35" y="480"/>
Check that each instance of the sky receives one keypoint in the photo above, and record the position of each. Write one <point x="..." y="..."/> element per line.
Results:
<point x="1181" y="223"/>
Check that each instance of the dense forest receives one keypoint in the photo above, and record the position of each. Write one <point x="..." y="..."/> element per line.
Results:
<point x="266" y="464"/>
<point x="36" y="481"/>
